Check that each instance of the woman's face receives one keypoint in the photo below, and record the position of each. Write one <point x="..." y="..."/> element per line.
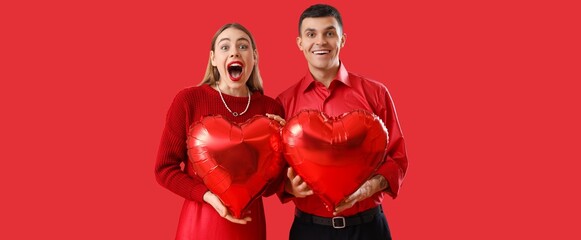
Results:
<point x="234" y="57"/>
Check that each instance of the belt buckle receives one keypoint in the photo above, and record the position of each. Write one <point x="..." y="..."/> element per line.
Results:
<point x="338" y="222"/>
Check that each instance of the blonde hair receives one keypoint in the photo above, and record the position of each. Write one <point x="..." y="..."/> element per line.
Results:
<point x="212" y="75"/>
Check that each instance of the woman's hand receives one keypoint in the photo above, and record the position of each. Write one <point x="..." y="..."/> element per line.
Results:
<point x="217" y="204"/>
<point x="276" y="118"/>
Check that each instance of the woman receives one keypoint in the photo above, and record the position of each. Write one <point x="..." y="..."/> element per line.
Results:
<point x="232" y="87"/>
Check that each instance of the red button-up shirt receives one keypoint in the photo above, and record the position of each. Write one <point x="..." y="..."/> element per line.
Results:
<point x="349" y="92"/>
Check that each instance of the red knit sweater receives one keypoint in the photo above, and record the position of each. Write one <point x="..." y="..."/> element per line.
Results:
<point x="191" y="105"/>
<point x="198" y="220"/>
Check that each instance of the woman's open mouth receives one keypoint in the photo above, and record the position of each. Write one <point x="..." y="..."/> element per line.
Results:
<point x="235" y="70"/>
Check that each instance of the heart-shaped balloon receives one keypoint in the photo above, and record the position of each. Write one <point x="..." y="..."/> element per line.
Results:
<point x="334" y="156"/>
<point x="236" y="162"/>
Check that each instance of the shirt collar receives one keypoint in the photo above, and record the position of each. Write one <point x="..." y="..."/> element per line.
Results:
<point x="342" y="76"/>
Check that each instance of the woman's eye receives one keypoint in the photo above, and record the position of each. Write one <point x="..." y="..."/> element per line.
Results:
<point x="243" y="46"/>
<point x="224" y="47"/>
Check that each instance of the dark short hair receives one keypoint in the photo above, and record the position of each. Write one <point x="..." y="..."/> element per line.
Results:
<point x="321" y="10"/>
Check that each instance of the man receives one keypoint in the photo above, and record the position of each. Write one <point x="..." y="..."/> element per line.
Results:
<point x="330" y="88"/>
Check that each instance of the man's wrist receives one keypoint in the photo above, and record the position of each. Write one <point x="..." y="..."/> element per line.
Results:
<point x="382" y="183"/>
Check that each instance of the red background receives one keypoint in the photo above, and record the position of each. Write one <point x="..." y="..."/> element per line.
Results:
<point x="486" y="94"/>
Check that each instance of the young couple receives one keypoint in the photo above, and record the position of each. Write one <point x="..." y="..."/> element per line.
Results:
<point x="232" y="87"/>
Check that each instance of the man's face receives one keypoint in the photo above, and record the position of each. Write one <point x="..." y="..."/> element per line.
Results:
<point x="321" y="40"/>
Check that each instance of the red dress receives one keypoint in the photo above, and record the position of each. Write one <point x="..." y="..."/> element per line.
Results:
<point x="198" y="219"/>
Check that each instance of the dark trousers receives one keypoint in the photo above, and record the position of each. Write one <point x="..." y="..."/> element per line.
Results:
<point x="377" y="229"/>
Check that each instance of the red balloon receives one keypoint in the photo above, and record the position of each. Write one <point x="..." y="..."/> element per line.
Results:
<point x="334" y="156"/>
<point x="236" y="162"/>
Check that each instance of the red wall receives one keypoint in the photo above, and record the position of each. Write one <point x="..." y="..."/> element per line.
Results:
<point x="486" y="93"/>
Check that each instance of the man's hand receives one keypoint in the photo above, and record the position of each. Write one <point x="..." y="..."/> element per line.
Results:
<point x="295" y="185"/>
<point x="213" y="200"/>
<point x="276" y="118"/>
<point x="367" y="189"/>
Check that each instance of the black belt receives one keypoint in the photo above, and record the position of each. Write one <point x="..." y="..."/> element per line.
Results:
<point x="339" y="222"/>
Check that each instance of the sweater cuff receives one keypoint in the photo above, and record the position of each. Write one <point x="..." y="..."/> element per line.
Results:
<point x="198" y="192"/>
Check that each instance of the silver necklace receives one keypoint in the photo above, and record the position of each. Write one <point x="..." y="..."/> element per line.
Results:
<point x="226" y="105"/>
